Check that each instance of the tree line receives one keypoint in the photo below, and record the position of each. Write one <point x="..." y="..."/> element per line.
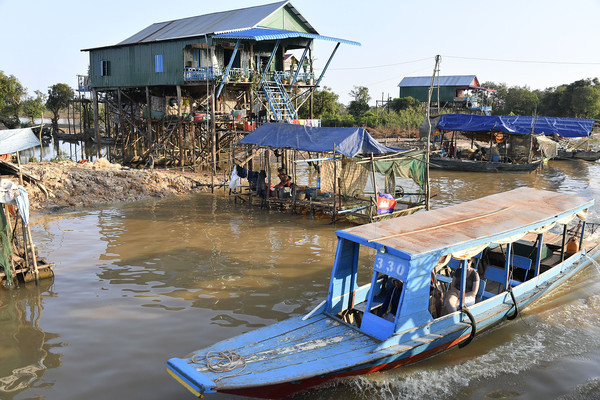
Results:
<point x="580" y="99"/>
<point x="15" y="102"/>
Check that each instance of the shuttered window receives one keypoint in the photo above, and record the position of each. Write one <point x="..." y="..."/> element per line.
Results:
<point x="104" y="68"/>
<point x="158" y="63"/>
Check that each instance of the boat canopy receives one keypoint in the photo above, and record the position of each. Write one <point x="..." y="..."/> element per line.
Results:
<point x="347" y="141"/>
<point x="565" y="127"/>
<point x="471" y="226"/>
<point x="13" y="140"/>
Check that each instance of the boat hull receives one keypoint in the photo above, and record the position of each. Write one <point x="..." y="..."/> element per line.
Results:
<point x="578" y="155"/>
<point x="400" y="349"/>
<point x="455" y="164"/>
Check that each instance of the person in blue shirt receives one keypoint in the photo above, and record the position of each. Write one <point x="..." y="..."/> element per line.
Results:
<point x="392" y="298"/>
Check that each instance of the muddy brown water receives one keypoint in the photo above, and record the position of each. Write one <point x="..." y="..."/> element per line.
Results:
<point x="142" y="282"/>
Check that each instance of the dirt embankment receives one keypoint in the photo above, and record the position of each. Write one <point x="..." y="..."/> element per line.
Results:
<point x="72" y="185"/>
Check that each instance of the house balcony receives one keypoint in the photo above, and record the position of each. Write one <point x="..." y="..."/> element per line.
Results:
<point x="236" y="75"/>
<point x="201" y="73"/>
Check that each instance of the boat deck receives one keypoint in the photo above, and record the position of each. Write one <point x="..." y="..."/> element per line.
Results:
<point x="288" y="351"/>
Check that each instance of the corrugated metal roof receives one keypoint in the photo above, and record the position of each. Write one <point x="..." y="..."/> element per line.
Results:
<point x="215" y="23"/>
<point x="259" y="34"/>
<point x="451" y="80"/>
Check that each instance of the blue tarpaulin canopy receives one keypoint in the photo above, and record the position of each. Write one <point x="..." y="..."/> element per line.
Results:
<point x="565" y="127"/>
<point x="347" y="141"/>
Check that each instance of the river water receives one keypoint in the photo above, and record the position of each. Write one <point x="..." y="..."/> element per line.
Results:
<point x="139" y="283"/>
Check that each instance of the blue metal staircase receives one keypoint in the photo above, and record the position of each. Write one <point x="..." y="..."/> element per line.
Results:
<point x="276" y="96"/>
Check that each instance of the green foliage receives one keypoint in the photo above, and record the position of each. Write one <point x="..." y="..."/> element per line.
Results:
<point x="325" y="103"/>
<point x="34" y="107"/>
<point x="516" y="100"/>
<point x="585" y="102"/>
<point x="360" y="104"/>
<point x="405" y="103"/>
<point x="12" y="94"/>
<point x="59" y="96"/>
<point x="580" y="99"/>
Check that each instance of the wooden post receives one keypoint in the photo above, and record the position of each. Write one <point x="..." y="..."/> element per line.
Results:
<point x="31" y="245"/>
<point x="490" y="157"/>
<point x="121" y="130"/>
<point x="96" y="127"/>
<point x="334" y="213"/>
<point x="268" y="157"/>
<point x="428" y="117"/>
<point x="20" y="170"/>
<point x="529" y="155"/>
<point x="148" y="119"/>
<point x="213" y="128"/>
<point x="193" y="142"/>
<point x="42" y="144"/>
<point x="375" y="195"/>
<point x="68" y="117"/>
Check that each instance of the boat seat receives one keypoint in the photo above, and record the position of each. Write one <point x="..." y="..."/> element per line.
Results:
<point x="480" y="291"/>
<point x="494" y="274"/>
<point x="453" y="264"/>
<point x="523" y="263"/>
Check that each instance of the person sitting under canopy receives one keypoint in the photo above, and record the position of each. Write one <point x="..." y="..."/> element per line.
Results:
<point x="472" y="286"/>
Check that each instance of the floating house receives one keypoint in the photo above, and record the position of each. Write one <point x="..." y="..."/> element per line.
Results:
<point x="178" y="90"/>
<point x="455" y="91"/>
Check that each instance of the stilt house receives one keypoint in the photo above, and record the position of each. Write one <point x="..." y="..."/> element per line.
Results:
<point x="453" y="91"/>
<point x="177" y="91"/>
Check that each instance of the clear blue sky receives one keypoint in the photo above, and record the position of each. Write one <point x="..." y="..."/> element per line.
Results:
<point x="518" y="42"/>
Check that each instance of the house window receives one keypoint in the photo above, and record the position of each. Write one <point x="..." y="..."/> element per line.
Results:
<point x="198" y="58"/>
<point x="158" y="63"/>
<point x="104" y="70"/>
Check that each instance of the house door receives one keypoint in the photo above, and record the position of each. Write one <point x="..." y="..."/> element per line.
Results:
<point x="227" y="57"/>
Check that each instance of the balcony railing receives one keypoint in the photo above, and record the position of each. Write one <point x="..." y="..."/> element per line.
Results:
<point x="201" y="73"/>
<point x="238" y="74"/>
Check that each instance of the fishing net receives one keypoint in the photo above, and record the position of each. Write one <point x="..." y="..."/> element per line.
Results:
<point x="409" y="165"/>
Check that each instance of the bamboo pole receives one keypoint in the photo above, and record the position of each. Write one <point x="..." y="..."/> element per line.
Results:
<point x="214" y="138"/>
<point x="334" y="213"/>
<point x="41" y="143"/>
<point x="96" y="123"/>
<point x="374" y="188"/>
<point x="32" y="246"/>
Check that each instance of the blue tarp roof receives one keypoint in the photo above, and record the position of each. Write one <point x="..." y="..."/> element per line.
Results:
<point x="259" y="34"/>
<point x="565" y="127"/>
<point x="348" y="141"/>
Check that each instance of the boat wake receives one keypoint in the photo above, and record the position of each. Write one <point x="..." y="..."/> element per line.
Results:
<point x="533" y="341"/>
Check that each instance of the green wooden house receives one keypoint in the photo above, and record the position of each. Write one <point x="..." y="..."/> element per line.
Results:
<point x="174" y="88"/>
<point x="460" y="91"/>
<point x="229" y="47"/>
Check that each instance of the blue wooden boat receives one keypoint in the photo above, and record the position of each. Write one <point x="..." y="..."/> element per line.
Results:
<point x="345" y="335"/>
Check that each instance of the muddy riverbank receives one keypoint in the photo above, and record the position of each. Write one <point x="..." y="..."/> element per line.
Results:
<point x="70" y="184"/>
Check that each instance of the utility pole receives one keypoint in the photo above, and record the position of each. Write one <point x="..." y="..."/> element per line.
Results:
<point x="436" y="69"/>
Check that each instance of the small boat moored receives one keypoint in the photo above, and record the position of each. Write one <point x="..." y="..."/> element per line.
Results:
<point x="586" y="155"/>
<point x="507" y="236"/>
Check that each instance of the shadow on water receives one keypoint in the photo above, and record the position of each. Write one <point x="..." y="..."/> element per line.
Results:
<point x="27" y="351"/>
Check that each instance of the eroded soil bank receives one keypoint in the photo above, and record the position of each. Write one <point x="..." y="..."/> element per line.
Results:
<point x="69" y="184"/>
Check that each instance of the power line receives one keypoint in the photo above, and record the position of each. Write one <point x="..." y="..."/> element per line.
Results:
<point x="380" y="66"/>
<point x="525" y="61"/>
